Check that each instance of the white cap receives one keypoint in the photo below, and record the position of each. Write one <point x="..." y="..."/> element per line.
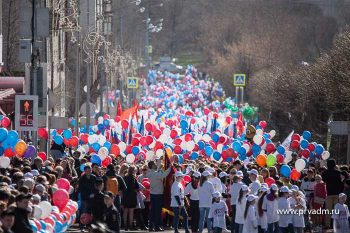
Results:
<point x="245" y="188"/>
<point x="210" y="169"/>
<point x="28" y="175"/>
<point x="251" y="197"/>
<point x="217" y="195"/>
<point x="254" y="172"/>
<point x="239" y="173"/>
<point x="206" y="173"/>
<point x="188" y="170"/>
<point x="35" y="172"/>
<point x="274" y="187"/>
<point x="263" y="189"/>
<point x="196" y="174"/>
<point x="264" y="185"/>
<point x="36" y="197"/>
<point x="342" y="195"/>
<point x="179" y="174"/>
<point x="284" y="189"/>
<point x="294" y="188"/>
<point x="223" y="174"/>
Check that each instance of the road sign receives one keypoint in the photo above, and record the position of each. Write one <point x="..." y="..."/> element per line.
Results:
<point x="133" y="82"/>
<point x="26" y="112"/>
<point x="239" y="80"/>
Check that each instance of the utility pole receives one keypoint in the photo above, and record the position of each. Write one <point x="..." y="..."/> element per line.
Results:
<point x="147" y="55"/>
<point x="77" y="87"/>
<point x="34" y="60"/>
<point x="88" y="81"/>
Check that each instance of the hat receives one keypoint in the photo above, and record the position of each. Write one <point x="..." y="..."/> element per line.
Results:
<point x="188" y="170"/>
<point x="40" y="188"/>
<point x="35" y="172"/>
<point x="179" y="174"/>
<point x="274" y="187"/>
<point x="254" y="172"/>
<point x="28" y="175"/>
<point x="263" y="189"/>
<point x="342" y="195"/>
<point x="210" y="169"/>
<point x="23" y="196"/>
<point x="239" y="173"/>
<point x="245" y="188"/>
<point x="196" y="174"/>
<point x="36" y="197"/>
<point x="217" y="195"/>
<point x="223" y="174"/>
<point x="294" y="188"/>
<point x="284" y="189"/>
<point x="264" y="185"/>
<point x="29" y="182"/>
<point x="251" y="197"/>
<point x="47" y="163"/>
<point x="206" y="173"/>
<point x="109" y="194"/>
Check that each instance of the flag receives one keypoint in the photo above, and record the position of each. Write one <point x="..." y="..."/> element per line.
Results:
<point x="288" y="140"/>
<point x="142" y="126"/>
<point x="168" y="180"/>
<point x="119" y="110"/>
<point x="131" y="127"/>
<point x="128" y="113"/>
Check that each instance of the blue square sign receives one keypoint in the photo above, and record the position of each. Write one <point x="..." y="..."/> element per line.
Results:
<point x="239" y="80"/>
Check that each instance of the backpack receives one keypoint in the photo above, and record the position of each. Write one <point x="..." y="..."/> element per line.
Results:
<point x="112" y="185"/>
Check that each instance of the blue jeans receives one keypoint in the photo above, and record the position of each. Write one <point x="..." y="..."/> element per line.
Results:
<point x="184" y="215"/>
<point x="156" y="210"/>
<point x="273" y="227"/>
<point x="234" y="226"/>
<point x="217" y="230"/>
<point x="203" y="217"/>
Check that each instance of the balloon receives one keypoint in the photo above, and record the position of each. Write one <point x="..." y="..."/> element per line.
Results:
<point x="319" y="149"/>
<point x="149" y="155"/>
<point x="63" y="183"/>
<point x="269" y="181"/>
<point x="285" y="170"/>
<point x="37" y="212"/>
<point x="103" y="153"/>
<point x="5" y="122"/>
<point x="12" y="137"/>
<point x="122" y="146"/>
<point x="130" y="158"/>
<point x="108" y="145"/>
<point x="307" y="135"/>
<point x="194" y="156"/>
<point x="58" y="139"/>
<point x="263" y="124"/>
<point x="325" y="155"/>
<point x="270" y="147"/>
<point x="95" y="159"/>
<point x="208" y="150"/>
<point x="46" y="209"/>
<point x="296" y="137"/>
<point x="173" y="134"/>
<point x="311" y="147"/>
<point x="106" y="161"/>
<point x="3" y="134"/>
<point x="280" y="158"/>
<point x="295" y="175"/>
<point x="82" y="167"/>
<point x="42" y="155"/>
<point x="294" y="145"/>
<point x="300" y="165"/>
<point x="271" y="160"/>
<point x="281" y="150"/>
<point x="9" y="152"/>
<point x="304" y="144"/>
<point x="125" y="124"/>
<point x="60" y="198"/>
<point x="187" y="179"/>
<point x="4" y="162"/>
<point x="183" y="124"/>
<point x="42" y="133"/>
<point x="74" y="141"/>
<point x="136" y="150"/>
<point x="20" y="148"/>
<point x="305" y="153"/>
<point x="272" y="133"/>
<point x="261" y="160"/>
<point x="217" y="155"/>
<point x="84" y="138"/>
<point x="115" y="150"/>
<point x="258" y="139"/>
<point x="1" y="150"/>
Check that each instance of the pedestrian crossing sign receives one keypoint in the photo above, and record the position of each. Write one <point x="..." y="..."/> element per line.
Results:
<point x="133" y="82"/>
<point x="239" y="80"/>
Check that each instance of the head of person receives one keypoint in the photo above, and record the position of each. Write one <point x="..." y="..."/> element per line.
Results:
<point x="284" y="191"/>
<point x="237" y="164"/>
<point x="96" y="169"/>
<point x="108" y="199"/>
<point x="38" y="162"/>
<point x="144" y="169"/>
<point x="179" y="176"/>
<point x="204" y="177"/>
<point x="250" y="201"/>
<point x="310" y="174"/>
<point x="232" y="172"/>
<point x="273" y="171"/>
<point x="7" y="219"/>
<point x="132" y="171"/>
<point x="76" y="154"/>
<point x="223" y="177"/>
<point x="243" y="192"/>
<point x="59" y="171"/>
<point x="195" y="177"/>
<point x="87" y="170"/>
<point x="274" y="190"/>
<point x="342" y="198"/>
<point x="23" y="200"/>
<point x="265" y="173"/>
<point x="295" y="191"/>
<point x="99" y="184"/>
<point x="253" y="174"/>
<point x="217" y="196"/>
<point x="152" y="165"/>
<point x="5" y="195"/>
<point x="331" y="164"/>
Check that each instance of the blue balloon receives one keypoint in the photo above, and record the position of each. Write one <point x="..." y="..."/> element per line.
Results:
<point x="1" y="150"/>
<point x="216" y="137"/>
<point x="43" y="224"/>
<point x="242" y="151"/>
<point x="217" y="155"/>
<point x="183" y="124"/>
<point x="256" y="149"/>
<point x="100" y="127"/>
<point x="3" y="134"/>
<point x="106" y="122"/>
<point x="12" y="137"/>
<point x="107" y="145"/>
<point x="181" y="159"/>
<point x="285" y="170"/>
<point x="242" y="157"/>
<point x="33" y="225"/>
<point x="96" y="146"/>
<point x="82" y="167"/>
<point x="236" y="146"/>
<point x="194" y="156"/>
<point x="95" y="159"/>
<point x="304" y="144"/>
<point x="319" y="149"/>
<point x="54" y="133"/>
<point x="67" y="133"/>
<point x="208" y="150"/>
<point x="307" y="135"/>
<point x="58" y="227"/>
<point x="229" y="159"/>
<point x="74" y="122"/>
<point x="58" y="139"/>
<point x="201" y="145"/>
<point x="281" y="150"/>
<point x="135" y="150"/>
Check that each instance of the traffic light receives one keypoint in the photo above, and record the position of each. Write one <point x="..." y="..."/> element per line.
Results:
<point x="26" y="113"/>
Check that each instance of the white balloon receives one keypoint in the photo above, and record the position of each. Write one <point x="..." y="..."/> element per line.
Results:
<point x="101" y="140"/>
<point x="219" y="147"/>
<point x="163" y="138"/>
<point x="95" y="128"/>
<point x="130" y="158"/>
<point x="190" y="145"/>
<point x="183" y="145"/>
<point x="259" y="131"/>
<point x="206" y="137"/>
<point x="46" y="209"/>
<point x="272" y="133"/>
<point x="159" y="153"/>
<point x="81" y="149"/>
<point x="103" y="153"/>
<point x="246" y="147"/>
<point x="4" y="162"/>
<point x="37" y="212"/>
<point x="152" y="144"/>
<point x="325" y="155"/>
<point x="167" y="132"/>
<point x="100" y="120"/>
<point x="71" y="190"/>
<point x="149" y="155"/>
<point x="257" y="139"/>
<point x="91" y="139"/>
<point x="122" y="154"/>
<point x="300" y="165"/>
<point x="122" y="146"/>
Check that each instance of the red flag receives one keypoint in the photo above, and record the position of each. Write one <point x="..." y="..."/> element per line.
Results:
<point x="119" y="109"/>
<point x="128" y="112"/>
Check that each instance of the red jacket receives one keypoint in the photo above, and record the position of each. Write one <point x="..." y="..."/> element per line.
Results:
<point x="319" y="193"/>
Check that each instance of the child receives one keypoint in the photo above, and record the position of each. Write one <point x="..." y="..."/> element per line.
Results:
<point x="261" y="214"/>
<point x="192" y="190"/>
<point x="111" y="215"/>
<point x="298" y="203"/>
<point x="241" y="203"/>
<point x="341" y="215"/>
<point x="217" y="213"/>
<point x="270" y="206"/>
<point x="317" y="202"/>
<point x="285" y="222"/>
<point x="250" y="218"/>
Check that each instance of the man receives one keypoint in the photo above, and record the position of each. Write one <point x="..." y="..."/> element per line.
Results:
<point x="96" y="170"/>
<point x="97" y="201"/>
<point x="177" y="202"/>
<point x="239" y="166"/>
<point x="22" y="224"/>
<point x="7" y="220"/>
<point x="255" y="183"/>
<point x="334" y="187"/>
<point x="111" y="216"/>
<point x="156" y="177"/>
<point x="214" y="180"/>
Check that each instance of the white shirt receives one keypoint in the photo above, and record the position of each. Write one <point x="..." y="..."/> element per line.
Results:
<point x="193" y="192"/>
<point x="217" y="212"/>
<point x="262" y="220"/>
<point x="254" y="187"/>
<point x="297" y="219"/>
<point x="217" y="184"/>
<point x="177" y="190"/>
<point x="205" y="194"/>
<point x="234" y="192"/>
<point x="285" y="215"/>
<point x="240" y="208"/>
<point x="250" y="222"/>
<point x="341" y="215"/>
<point x="271" y="209"/>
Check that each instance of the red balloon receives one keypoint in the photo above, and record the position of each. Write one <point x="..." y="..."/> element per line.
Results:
<point x="295" y="175"/>
<point x="228" y="119"/>
<point x="177" y="141"/>
<point x="135" y="141"/>
<point x="263" y="124"/>
<point x="50" y="221"/>
<point x="157" y="133"/>
<point x="149" y="127"/>
<point x="58" y="215"/>
<point x="149" y="139"/>
<point x="106" y="161"/>
<point x="146" y="184"/>
<point x="84" y="138"/>
<point x="187" y="179"/>
<point x="66" y="142"/>
<point x="158" y="146"/>
<point x="9" y="152"/>
<point x="206" y="111"/>
<point x="177" y="149"/>
<point x="60" y="198"/>
<point x="145" y="179"/>
<point x="188" y="137"/>
<point x="128" y="149"/>
<point x="117" y="119"/>
<point x="311" y="147"/>
<point x="296" y="137"/>
<point x="63" y="183"/>
<point x="5" y="122"/>
<point x="115" y="150"/>
<point x="294" y="145"/>
<point x="186" y="156"/>
<point x="193" y="121"/>
<point x="42" y="133"/>
<point x="125" y="124"/>
<point x="42" y="155"/>
<point x="305" y="153"/>
<point x="270" y="148"/>
<point x="74" y="141"/>
<point x="224" y="155"/>
<point x="269" y="181"/>
<point x="59" y="131"/>
<point x="280" y="158"/>
<point x="239" y="124"/>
